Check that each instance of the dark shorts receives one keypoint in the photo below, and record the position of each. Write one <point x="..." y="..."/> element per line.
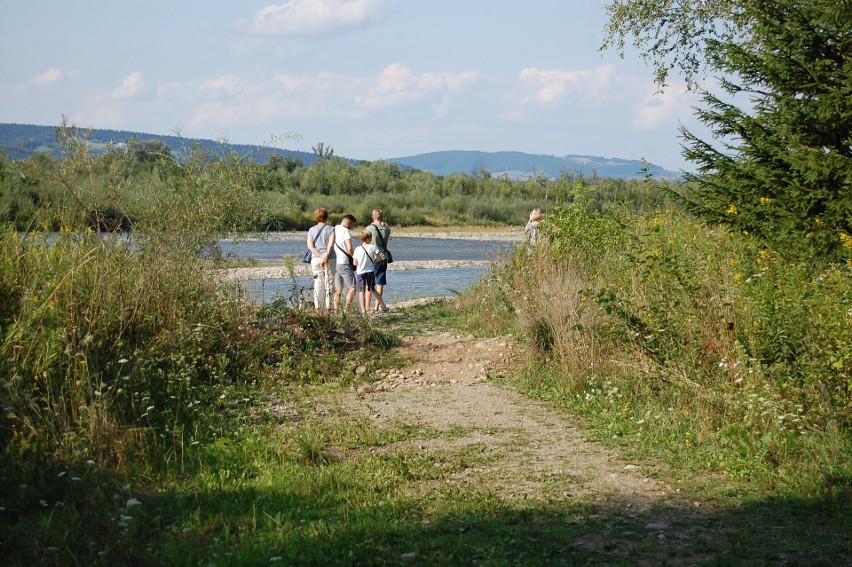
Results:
<point x="365" y="281"/>
<point x="382" y="273"/>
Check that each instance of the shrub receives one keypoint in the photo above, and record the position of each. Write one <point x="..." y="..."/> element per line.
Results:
<point x="99" y="339"/>
<point x="671" y="332"/>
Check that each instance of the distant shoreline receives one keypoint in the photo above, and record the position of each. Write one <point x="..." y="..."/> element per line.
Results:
<point x="509" y="234"/>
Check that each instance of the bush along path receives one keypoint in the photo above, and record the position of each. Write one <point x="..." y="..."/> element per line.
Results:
<point x="456" y="467"/>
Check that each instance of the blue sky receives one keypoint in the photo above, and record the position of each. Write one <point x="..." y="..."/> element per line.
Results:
<point x="374" y="79"/>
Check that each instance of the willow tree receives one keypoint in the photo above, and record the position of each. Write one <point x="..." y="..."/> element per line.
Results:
<point x="780" y="166"/>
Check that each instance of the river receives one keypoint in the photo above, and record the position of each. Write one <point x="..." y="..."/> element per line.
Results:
<point x="412" y="275"/>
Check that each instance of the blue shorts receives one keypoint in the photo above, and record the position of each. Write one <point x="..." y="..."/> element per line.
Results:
<point x="382" y="273"/>
<point x="365" y="281"/>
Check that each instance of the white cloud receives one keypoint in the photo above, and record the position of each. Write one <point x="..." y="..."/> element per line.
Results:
<point x="397" y="84"/>
<point x="50" y="77"/>
<point x="234" y="101"/>
<point x="549" y="86"/>
<point x="230" y="85"/>
<point x="100" y="114"/>
<point x="664" y="108"/>
<point x="131" y="85"/>
<point x="316" y="17"/>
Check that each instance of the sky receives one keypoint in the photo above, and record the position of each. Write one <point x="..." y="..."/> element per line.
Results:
<point x="373" y="79"/>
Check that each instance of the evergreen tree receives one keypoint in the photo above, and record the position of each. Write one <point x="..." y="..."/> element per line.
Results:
<point x="784" y="171"/>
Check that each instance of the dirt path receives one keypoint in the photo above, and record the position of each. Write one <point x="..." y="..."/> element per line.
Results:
<point x="445" y="387"/>
<point x="527" y="451"/>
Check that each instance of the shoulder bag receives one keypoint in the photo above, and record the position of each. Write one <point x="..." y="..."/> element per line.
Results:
<point x="388" y="255"/>
<point x="348" y="256"/>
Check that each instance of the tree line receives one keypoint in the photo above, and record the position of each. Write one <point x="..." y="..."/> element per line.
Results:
<point x="122" y="187"/>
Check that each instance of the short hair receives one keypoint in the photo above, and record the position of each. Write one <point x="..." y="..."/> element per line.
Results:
<point x="321" y="215"/>
<point x="366" y="236"/>
<point x="535" y="214"/>
<point x="350" y="218"/>
<point x="377" y="215"/>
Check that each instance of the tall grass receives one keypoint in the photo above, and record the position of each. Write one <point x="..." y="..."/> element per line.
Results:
<point x="100" y="340"/>
<point x="108" y="343"/>
<point x="676" y="337"/>
<point x="121" y="357"/>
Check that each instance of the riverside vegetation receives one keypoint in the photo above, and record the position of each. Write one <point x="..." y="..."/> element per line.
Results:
<point x="143" y="400"/>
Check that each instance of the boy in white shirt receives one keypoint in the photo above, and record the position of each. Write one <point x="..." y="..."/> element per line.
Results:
<point x="365" y="271"/>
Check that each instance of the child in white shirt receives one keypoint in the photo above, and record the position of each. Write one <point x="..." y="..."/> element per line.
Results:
<point x="365" y="271"/>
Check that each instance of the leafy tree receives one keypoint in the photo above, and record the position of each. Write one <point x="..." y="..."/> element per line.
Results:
<point x="286" y="163"/>
<point x="322" y="151"/>
<point x="784" y="168"/>
<point x="481" y="173"/>
<point x="673" y="34"/>
<point x="148" y="151"/>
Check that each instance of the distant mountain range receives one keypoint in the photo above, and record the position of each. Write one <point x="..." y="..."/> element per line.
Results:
<point x="518" y="165"/>
<point x="23" y="140"/>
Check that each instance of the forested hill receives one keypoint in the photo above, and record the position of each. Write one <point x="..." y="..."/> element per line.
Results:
<point x="519" y="165"/>
<point x="23" y="140"/>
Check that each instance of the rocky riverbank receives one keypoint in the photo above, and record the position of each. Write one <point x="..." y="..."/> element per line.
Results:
<point x="283" y="271"/>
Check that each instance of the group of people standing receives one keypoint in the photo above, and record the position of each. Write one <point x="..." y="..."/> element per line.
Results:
<point x="336" y="265"/>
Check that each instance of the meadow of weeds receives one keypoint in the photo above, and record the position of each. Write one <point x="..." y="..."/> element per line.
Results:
<point x="678" y="338"/>
<point x="123" y="362"/>
<point x="151" y="416"/>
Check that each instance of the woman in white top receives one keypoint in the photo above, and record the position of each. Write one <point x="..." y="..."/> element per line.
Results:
<point x="365" y="271"/>
<point x="532" y="226"/>
<point x="321" y="245"/>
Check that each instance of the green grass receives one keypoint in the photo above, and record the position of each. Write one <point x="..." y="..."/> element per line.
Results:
<point x="305" y="486"/>
<point x="315" y="489"/>
<point x="251" y="459"/>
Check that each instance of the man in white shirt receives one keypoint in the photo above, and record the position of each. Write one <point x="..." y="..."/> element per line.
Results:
<point x="345" y="272"/>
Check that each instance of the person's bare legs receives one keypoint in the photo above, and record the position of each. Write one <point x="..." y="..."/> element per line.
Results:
<point x="337" y="294"/>
<point x="368" y="298"/>
<point x="350" y="295"/>
<point x="380" y="302"/>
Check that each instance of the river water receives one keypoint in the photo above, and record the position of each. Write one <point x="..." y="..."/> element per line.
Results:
<point x="402" y="284"/>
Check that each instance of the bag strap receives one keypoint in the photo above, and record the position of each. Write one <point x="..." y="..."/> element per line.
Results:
<point x="367" y="254"/>
<point x="320" y="233"/>
<point x="379" y="234"/>
<point x="344" y="251"/>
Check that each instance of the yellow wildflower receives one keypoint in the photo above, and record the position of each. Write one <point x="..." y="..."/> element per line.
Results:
<point x="846" y="240"/>
<point x="765" y="200"/>
<point x="732" y="209"/>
